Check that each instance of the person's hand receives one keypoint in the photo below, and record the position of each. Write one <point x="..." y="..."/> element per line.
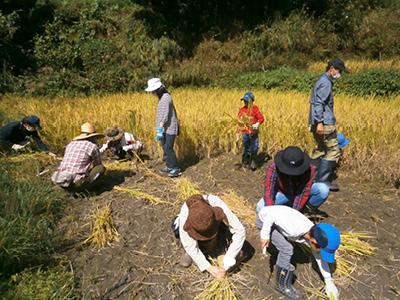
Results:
<point x="53" y="155"/>
<point x="331" y="289"/>
<point x="228" y="262"/>
<point x="255" y="126"/>
<point x="320" y="128"/>
<point x="127" y="148"/>
<point x="217" y="272"/>
<point x="17" y="146"/>
<point x="159" y="133"/>
<point x="264" y="244"/>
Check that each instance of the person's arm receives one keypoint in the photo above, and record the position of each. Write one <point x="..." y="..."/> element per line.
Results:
<point x="38" y="141"/>
<point x="301" y="200"/>
<point x="268" y="222"/>
<point x="96" y="156"/>
<point x="258" y="116"/>
<point x="270" y="185"/>
<point x="163" y="109"/>
<point x="321" y="95"/>
<point x="330" y="287"/>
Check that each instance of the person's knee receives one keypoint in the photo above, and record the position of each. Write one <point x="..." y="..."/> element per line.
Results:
<point x="323" y="190"/>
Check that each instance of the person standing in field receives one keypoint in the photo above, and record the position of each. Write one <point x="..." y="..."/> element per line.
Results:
<point x="250" y="118"/>
<point x="207" y="227"/>
<point x="17" y="135"/>
<point x="74" y="173"/>
<point x="289" y="181"/>
<point x="322" y="120"/>
<point x="282" y="225"/>
<point x="167" y="127"/>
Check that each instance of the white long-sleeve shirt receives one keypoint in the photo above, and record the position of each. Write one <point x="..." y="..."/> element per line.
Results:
<point x="291" y="224"/>
<point x="191" y="246"/>
<point x="127" y="139"/>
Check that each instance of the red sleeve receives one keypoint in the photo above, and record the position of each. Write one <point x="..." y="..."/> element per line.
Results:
<point x="271" y="185"/>
<point x="258" y="117"/>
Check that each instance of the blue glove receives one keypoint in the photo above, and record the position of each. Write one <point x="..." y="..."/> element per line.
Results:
<point x="159" y="133"/>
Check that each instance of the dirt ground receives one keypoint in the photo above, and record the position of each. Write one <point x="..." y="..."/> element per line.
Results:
<point x="144" y="263"/>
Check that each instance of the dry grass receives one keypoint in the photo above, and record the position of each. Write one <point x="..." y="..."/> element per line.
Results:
<point x="186" y="188"/>
<point x="355" y="66"/>
<point x="142" y="195"/>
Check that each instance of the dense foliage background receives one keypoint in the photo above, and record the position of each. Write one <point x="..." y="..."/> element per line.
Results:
<point x="52" y="47"/>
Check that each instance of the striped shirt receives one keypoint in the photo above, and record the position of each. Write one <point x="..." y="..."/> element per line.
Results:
<point x="78" y="157"/>
<point x="166" y="114"/>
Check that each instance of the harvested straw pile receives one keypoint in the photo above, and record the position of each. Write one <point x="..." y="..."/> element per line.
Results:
<point x="186" y="189"/>
<point x="103" y="230"/>
<point x="142" y="195"/>
<point x="240" y="207"/>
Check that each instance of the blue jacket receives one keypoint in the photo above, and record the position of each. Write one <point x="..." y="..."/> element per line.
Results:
<point x="321" y="102"/>
<point x="13" y="133"/>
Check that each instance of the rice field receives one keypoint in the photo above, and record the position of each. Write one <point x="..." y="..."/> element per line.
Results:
<point x="208" y="122"/>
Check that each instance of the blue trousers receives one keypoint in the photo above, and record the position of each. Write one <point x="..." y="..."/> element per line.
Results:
<point x="250" y="143"/>
<point x="167" y="143"/>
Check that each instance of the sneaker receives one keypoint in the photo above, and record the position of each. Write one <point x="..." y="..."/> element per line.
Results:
<point x="175" y="173"/>
<point x="166" y="170"/>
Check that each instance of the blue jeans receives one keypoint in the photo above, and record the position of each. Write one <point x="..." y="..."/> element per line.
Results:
<point x="250" y="143"/>
<point x="167" y="143"/>
<point x="318" y="194"/>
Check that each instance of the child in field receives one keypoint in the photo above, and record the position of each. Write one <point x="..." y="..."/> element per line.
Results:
<point x="250" y="118"/>
<point x="120" y="143"/>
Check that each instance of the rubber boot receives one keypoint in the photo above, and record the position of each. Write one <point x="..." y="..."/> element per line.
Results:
<point x="284" y="282"/>
<point x="325" y="170"/>
<point x="253" y="163"/>
<point x="315" y="162"/>
<point x="245" y="161"/>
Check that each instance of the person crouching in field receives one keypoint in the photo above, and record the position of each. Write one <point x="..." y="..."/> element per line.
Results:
<point x="16" y="135"/>
<point x="74" y="173"/>
<point x="202" y="226"/>
<point x="281" y="225"/>
<point x="120" y="143"/>
<point x="250" y="118"/>
<point x="289" y="181"/>
<point x="167" y="127"/>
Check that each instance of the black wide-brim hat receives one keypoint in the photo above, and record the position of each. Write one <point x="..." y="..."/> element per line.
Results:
<point x="292" y="161"/>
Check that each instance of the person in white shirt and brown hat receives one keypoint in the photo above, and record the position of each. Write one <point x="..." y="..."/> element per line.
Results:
<point x="206" y="227"/>
<point x="81" y="167"/>
<point x="120" y="143"/>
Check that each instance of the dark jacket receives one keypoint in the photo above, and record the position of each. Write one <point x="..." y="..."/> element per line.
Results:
<point x="14" y="133"/>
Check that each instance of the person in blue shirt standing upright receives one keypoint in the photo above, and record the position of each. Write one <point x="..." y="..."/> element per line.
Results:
<point x="322" y="120"/>
<point x="167" y="127"/>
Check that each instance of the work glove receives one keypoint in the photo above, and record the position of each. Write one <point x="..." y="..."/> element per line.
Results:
<point x="53" y="155"/>
<point x="255" y="126"/>
<point x="127" y="148"/>
<point x="228" y="262"/>
<point x="18" y="147"/>
<point x="331" y="289"/>
<point x="159" y="133"/>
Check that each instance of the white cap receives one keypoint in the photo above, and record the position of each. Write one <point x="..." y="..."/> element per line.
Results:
<point x="153" y="84"/>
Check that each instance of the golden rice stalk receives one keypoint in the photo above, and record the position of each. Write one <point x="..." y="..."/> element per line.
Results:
<point x="103" y="230"/>
<point x="218" y="289"/>
<point x="240" y="207"/>
<point x="143" y="195"/>
<point x="186" y="188"/>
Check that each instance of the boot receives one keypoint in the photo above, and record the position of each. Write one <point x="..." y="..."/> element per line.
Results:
<point x="325" y="169"/>
<point x="284" y="282"/>
<point x="315" y="162"/>
<point x="311" y="211"/>
<point x="253" y="163"/>
<point x="245" y="161"/>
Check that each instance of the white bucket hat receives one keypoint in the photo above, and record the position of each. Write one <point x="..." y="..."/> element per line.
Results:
<point x="153" y="84"/>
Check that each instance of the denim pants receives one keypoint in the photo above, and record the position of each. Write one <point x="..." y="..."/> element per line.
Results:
<point x="318" y="194"/>
<point x="167" y="143"/>
<point x="250" y="143"/>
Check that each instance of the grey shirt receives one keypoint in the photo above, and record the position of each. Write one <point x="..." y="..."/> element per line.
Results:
<point x="166" y="114"/>
<point x="321" y="102"/>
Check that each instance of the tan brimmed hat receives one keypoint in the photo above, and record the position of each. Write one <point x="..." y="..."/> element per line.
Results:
<point x="88" y="131"/>
<point x="203" y="220"/>
<point x="113" y="133"/>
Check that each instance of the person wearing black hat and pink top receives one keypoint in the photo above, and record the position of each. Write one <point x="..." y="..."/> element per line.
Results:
<point x="204" y="226"/>
<point x="289" y="181"/>
<point x="17" y="135"/>
<point x="280" y="226"/>
<point x="322" y="120"/>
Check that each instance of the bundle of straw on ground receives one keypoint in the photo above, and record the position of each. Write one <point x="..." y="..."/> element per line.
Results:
<point x="142" y="195"/>
<point x="186" y="188"/>
<point x="103" y="230"/>
<point x="240" y="207"/>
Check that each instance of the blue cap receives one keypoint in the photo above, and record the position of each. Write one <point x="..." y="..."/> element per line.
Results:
<point x="343" y="142"/>
<point x="328" y="238"/>
<point x="33" y="120"/>
<point x="248" y="96"/>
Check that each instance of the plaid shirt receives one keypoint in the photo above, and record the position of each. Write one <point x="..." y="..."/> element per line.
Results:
<point x="298" y="186"/>
<point x="166" y="114"/>
<point x="78" y="157"/>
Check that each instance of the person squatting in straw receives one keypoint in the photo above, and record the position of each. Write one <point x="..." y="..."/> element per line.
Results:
<point x="202" y="226"/>
<point x="250" y="118"/>
<point x="281" y="225"/>
<point x="16" y="135"/>
<point x="120" y="143"/>
<point x="74" y="173"/>
<point x="289" y="181"/>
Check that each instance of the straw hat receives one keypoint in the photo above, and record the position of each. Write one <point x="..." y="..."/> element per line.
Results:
<point x="113" y="133"/>
<point x="87" y="131"/>
<point x="203" y="220"/>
